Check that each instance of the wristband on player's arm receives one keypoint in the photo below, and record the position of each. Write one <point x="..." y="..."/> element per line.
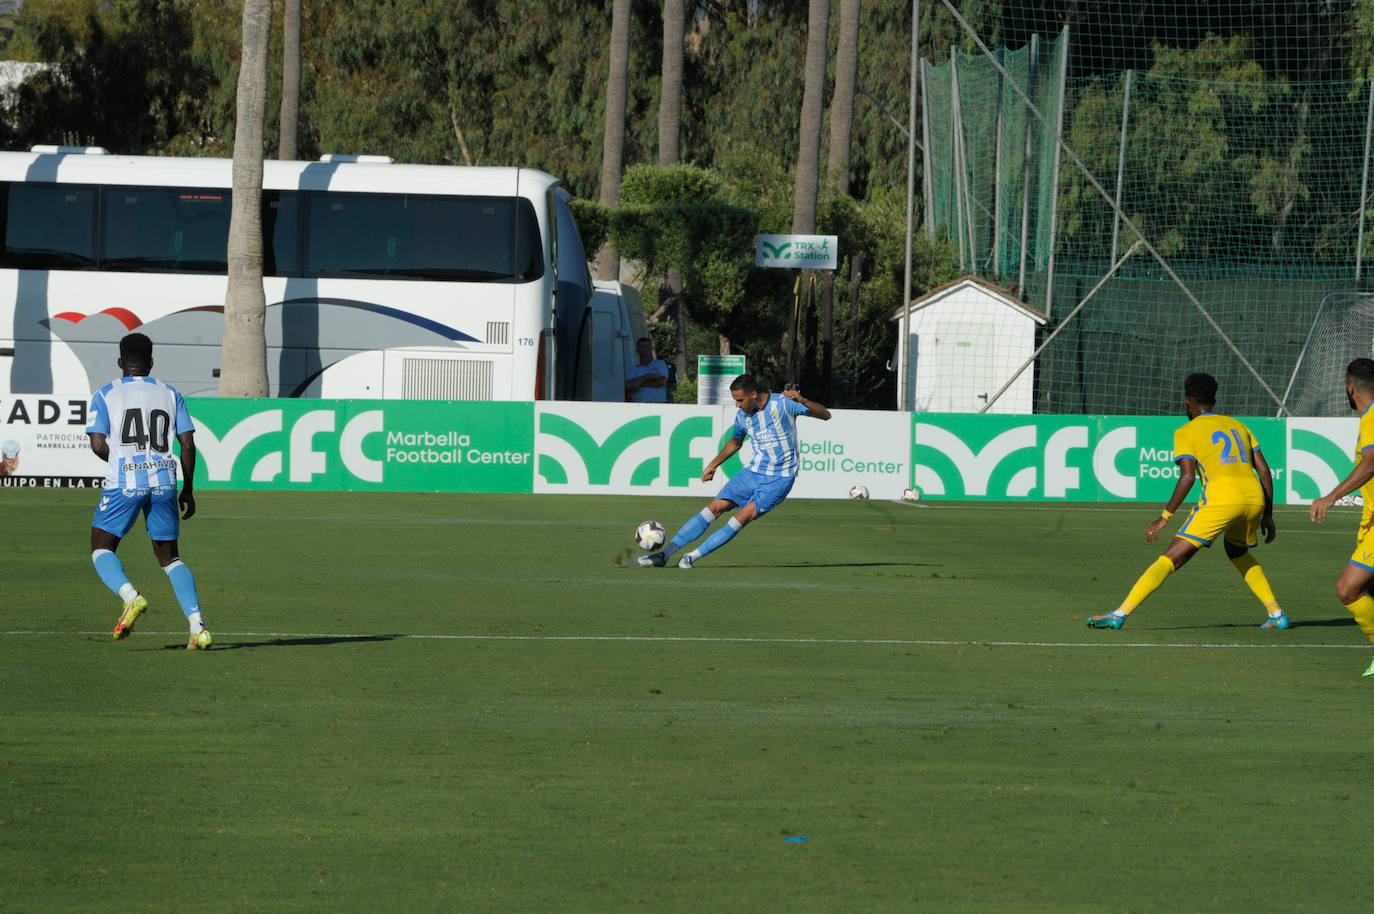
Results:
<point x="1166" y="514"/>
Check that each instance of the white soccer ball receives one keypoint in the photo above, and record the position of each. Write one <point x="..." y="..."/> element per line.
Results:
<point x="858" y="491"/>
<point x="911" y="495"/>
<point x="650" y="535"/>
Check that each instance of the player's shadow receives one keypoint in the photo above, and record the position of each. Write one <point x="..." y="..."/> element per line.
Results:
<point x="1292" y="624"/>
<point x="841" y="565"/>
<point x="294" y="641"/>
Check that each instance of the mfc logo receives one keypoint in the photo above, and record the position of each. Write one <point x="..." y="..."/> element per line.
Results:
<point x="1014" y="465"/>
<point x="638" y="453"/>
<point x="256" y="435"/>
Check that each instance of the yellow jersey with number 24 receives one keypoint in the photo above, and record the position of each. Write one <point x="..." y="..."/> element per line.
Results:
<point x="1224" y="450"/>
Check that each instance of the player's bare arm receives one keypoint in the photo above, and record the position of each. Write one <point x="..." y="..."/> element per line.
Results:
<point x="99" y="446"/>
<point x="1187" y="475"/>
<point x="815" y="409"/>
<point x="186" y="498"/>
<point x="1266" y="481"/>
<point x="1363" y="472"/>
<point x="730" y="449"/>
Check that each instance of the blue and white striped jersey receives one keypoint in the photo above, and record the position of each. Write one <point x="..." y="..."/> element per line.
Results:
<point x="140" y="418"/>
<point x="772" y="432"/>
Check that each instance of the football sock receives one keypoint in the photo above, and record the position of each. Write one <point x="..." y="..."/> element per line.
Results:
<point x="1147" y="584"/>
<point x="196" y="622"/>
<point x="690" y="531"/>
<point x="1363" y="611"/>
<point x="184" y="586"/>
<point x="719" y="538"/>
<point x="111" y="571"/>
<point x="1255" y="579"/>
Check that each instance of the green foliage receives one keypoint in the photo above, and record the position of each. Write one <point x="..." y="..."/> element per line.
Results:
<point x="122" y="76"/>
<point x="686" y="391"/>
<point x="593" y="220"/>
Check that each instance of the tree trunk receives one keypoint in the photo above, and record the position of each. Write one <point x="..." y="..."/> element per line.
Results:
<point x="813" y="104"/>
<point x="808" y="154"/>
<point x="842" y="103"/>
<point x="670" y="98"/>
<point x="613" y="143"/>
<point x="841" y="134"/>
<point x="243" y="355"/>
<point x="670" y="150"/>
<point x="290" y="81"/>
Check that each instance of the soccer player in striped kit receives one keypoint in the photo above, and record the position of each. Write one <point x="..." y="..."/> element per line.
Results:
<point x="133" y="422"/>
<point x="768" y="420"/>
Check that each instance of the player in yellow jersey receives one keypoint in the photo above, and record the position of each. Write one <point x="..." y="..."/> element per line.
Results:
<point x="1236" y="502"/>
<point x="1352" y="587"/>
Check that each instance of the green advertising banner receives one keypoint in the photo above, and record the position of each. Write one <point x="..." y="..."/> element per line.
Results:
<point x="1321" y="452"/>
<point x="622" y="449"/>
<point x="364" y="445"/>
<point x="1060" y="458"/>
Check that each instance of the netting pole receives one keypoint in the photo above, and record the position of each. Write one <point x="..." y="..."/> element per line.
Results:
<point x="997" y="177"/>
<point x="1033" y="69"/>
<point x="1054" y="180"/>
<point x="1057" y="330"/>
<point x="1364" y="186"/>
<point x="962" y="214"/>
<point x="1307" y="343"/>
<point x="904" y="344"/>
<point x="1121" y="162"/>
<point x="926" y="164"/>
<point x="1096" y="185"/>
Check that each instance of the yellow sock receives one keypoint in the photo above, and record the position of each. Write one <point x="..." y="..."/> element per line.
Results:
<point x="1254" y="577"/>
<point x="1147" y="584"/>
<point x="1363" y="611"/>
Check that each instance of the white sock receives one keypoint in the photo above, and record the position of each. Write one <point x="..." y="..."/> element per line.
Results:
<point x="128" y="592"/>
<point x="197" y="623"/>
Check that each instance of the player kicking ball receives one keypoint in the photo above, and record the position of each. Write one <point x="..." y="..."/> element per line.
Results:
<point x="1236" y="502"/>
<point x="768" y="420"/>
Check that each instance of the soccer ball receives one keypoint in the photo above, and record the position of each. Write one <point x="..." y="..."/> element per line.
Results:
<point x="650" y="535"/>
<point x="858" y="492"/>
<point x="911" y="495"/>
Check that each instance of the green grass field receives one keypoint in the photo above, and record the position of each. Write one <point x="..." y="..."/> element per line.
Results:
<point x="471" y="703"/>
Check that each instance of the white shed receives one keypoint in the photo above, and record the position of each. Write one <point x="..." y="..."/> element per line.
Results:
<point x="966" y="340"/>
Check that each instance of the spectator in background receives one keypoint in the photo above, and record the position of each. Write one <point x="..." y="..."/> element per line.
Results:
<point x="647" y="380"/>
<point x="9" y="458"/>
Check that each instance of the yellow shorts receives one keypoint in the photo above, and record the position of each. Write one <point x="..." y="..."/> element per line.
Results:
<point x="1364" y="548"/>
<point x="1205" y="523"/>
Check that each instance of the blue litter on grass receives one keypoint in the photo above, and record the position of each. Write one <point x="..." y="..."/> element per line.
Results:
<point x="797" y="838"/>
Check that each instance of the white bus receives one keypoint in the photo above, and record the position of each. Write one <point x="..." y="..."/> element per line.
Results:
<point x="383" y="281"/>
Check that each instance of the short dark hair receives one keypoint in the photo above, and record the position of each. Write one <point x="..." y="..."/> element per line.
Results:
<point x="1201" y="387"/>
<point x="1361" y="373"/>
<point x="747" y="383"/>
<point x="136" y="349"/>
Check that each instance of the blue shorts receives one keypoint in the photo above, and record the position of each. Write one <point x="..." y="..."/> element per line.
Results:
<point x="119" y="508"/>
<point x="766" y="492"/>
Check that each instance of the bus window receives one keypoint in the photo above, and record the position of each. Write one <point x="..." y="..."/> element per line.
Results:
<point x="156" y="229"/>
<point x="459" y="239"/>
<point x="281" y="220"/>
<point x="49" y="226"/>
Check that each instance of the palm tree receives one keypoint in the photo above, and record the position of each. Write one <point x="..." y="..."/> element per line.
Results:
<point x="290" y="80"/>
<point x="808" y="153"/>
<point x="837" y="169"/>
<point x="243" y="356"/>
<point x="613" y="144"/>
<point x="813" y="105"/>
<point x="670" y="149"/>
<point x="670" y="98"/>
<point x="842" y="102"/>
